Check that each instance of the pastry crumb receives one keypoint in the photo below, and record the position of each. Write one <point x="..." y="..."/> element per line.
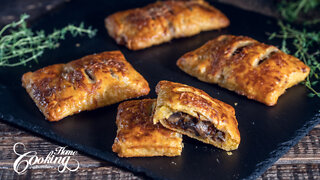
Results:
<point x="235" y="103"/>
<point x="77" y="44"/>
<point x="173" y="163"/>
<point x="229" y="153"/>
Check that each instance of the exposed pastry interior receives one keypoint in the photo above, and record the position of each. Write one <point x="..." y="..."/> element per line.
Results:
<point x="192" y="112"/>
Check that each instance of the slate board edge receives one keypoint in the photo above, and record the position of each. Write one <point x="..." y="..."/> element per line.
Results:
<point x="264" y="165"/>
<point x="285" y="147"/>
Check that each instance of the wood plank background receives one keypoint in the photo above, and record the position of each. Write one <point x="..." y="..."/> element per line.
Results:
<point x="301" y="162"/>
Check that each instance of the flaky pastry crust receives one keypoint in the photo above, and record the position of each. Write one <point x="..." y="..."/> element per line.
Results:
<point x="93" y="81"/>
<point x="162" y="21"/>
<point x="137" y="136"/>
<point x="241" y="64"/>
<point x="201" y="116"/>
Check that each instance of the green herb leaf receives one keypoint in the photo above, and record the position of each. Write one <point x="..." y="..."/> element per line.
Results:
<point x="311" y="95"/>
<point x="291" y="9"/>
<point x="19" y="44"/>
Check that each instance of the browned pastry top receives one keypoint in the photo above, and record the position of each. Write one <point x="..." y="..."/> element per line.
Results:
<point x="242" y="64"/>
<point x="163" y="20"/>
<point x="90" y="82"/>
<point x="137" y="135"/>
<point x="135" y="121"/>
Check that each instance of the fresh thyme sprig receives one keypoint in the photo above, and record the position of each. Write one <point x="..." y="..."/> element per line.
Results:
<point x="21" y="45"/>
<point x="305" y="47"/>
<point x="291" y="9"/>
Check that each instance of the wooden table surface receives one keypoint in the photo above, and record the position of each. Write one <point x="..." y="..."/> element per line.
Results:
<point x="301" y="162"/>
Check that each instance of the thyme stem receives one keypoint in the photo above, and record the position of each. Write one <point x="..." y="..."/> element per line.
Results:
<point x="21" y="45"/>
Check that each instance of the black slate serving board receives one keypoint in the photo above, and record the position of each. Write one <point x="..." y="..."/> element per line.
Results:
<point x="266" y="132"/>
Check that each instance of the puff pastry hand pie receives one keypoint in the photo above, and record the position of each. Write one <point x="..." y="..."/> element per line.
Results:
<point x="192" y="112"/>
<point x="162" y="21"/>
<point x="137" y="136"/>
<point x="93" y="81"/>
<point x="246" y="66"/>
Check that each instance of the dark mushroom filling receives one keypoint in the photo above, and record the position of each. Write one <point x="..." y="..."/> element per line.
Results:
<point x="195" y="126"/>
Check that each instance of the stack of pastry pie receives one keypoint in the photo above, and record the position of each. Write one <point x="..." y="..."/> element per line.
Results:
<point x="241" y="64"/>
<point x="146" y="127"/>
<point x="154" y="127"/>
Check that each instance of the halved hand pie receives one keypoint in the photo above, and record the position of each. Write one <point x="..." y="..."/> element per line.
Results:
<point x="162" y="21"/>
<point x="246" y="66"/>
<point x="137" y="136"/>
<point x="193" y="112"/>
<point x="93" y="81"/>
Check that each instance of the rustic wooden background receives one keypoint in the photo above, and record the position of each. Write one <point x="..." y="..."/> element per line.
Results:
<point x="301" y="162"/>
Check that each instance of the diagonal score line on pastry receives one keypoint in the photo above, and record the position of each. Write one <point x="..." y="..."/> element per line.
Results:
<point x="259" y="71"/>
<point x="88" y="83"/>
<point x="162" y="21"/>
<point x="137" y="136"/>
<point x="193" y="112"/>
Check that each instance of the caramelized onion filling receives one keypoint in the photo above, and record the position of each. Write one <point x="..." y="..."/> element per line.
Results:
<point x="195" y="126"/>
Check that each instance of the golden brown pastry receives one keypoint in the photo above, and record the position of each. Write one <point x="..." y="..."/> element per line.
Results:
<point x="93" y="81"/>
<point x="246" y="66"/>
<point x="137" y="136"/>
<point x="192" y="112"/>
<point x="162" y="21"/>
